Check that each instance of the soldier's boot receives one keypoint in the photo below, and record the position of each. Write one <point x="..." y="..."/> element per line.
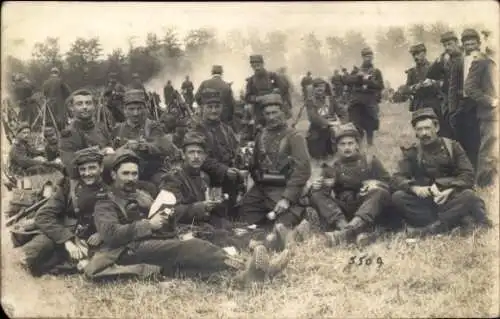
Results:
<point x="287" y="237"/>
<point x="313" y="218"/>
<point x="255" y="269"/>
<point x="303" y="230"/>
<point x="279" y="263"/>
<point x="348" y="234"/>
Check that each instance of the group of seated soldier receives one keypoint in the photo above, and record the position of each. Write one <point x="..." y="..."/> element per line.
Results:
<point x="99" y="219"/>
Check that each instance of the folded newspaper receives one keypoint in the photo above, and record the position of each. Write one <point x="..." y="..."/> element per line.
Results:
<point x="164" y="203"/>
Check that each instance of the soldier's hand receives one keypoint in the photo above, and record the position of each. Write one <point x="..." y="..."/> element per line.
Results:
<point x="210" y="205"/>
<point x="57" y="161"/>
<point x="281" y="206"/>
<point x="443" y="196"/>
<point x="75" y="251"/>
<point x="132" y="145"/>
<point x="94" y="240"/>
<point x="422" y="191"/>
<point x="427" y="82"/>
<point x="157" y="221"/>
<point x="317" y="184"/>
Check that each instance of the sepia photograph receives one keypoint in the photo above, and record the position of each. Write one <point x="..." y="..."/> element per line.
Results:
<point x="250" y="159"/>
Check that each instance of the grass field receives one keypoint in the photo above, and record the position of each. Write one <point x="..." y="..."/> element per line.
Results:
<point x="447" y="276"/>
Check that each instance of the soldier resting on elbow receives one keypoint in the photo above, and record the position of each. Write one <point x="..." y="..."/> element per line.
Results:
<point x="360" y="191"/>
<point x="130" y="237"/>
<point x="434" y="182"/>
<point x="67" y="229"/>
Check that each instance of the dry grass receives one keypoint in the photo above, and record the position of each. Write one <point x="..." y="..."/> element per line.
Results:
<point x="447" y="276"/>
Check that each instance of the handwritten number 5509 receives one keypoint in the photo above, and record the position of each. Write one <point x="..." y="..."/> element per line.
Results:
<point x="364" y="260"/>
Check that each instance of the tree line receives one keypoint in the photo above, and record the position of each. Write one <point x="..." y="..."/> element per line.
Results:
<point x="85" y="63"/>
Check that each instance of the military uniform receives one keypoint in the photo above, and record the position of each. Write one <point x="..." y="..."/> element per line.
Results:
<point x="445" y="164"/>
<point x="422" y="96"/>
<point x="113" y="94"/>
<point x="82" y="134"/>
<point x="322" y="112"/>
<point x="222" y="147"/>
<point x="22" y="155"/>
<point x="153" y="147"/>
<point x="261" y="84"/>
<point x="23" y="91"/>
<point x="187" y="89"/>
<point x="52" y="146"/>
<point x="66" y="216"/>
<point x="280" y="169"/>
<point x="365" y="96"/>
<point x="348" y="199"/>
<point x="305" y="82"/>
<point x="338" y="86"/>
<point x="226" y="93"/>
<point x="56" y="92"/>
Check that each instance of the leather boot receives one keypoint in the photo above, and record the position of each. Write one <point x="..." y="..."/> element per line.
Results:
<point x="348" y="234"/>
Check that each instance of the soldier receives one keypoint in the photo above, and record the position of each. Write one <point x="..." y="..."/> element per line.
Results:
<point x="481" y="88"/>
<point x="425" y="92"/>
<point x="305" y="82"/>
<point x="367" y="85"/>
<point x="56" y="92"/>
<point x="261" y="83"/>
<point x="113" y="94"/>
<point x="280" y="169"/>
<point x="226" y="93"/>
<point x="23" y="92"/>
<point x="24" y="158"/>
<point x="66" y="219"/>
<point x="440" y="70"/>
<point x="338" y="86"/>
<point x="137" y="84"/>
<point x="187" y="89"/>
<point x="124" y="226"/>
<point x="434" y="181"/>
<point x="189" y="185"/>
<point x="83" y="132"/>
<point x="288" y="85"/>
<point x="323" y="113"/>
<point x="360" y="186"/>
<point x="168" y="94"/>
<point x="221" y="145"/>
<point x="52" y="145"/>
<point x="239" y="114"/>
<point x="139" y="134"/>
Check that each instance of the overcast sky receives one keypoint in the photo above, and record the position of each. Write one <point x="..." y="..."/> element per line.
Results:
<point x="25" y="23"/>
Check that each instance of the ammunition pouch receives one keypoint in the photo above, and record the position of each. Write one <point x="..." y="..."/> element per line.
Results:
<point x="269" y="178"/>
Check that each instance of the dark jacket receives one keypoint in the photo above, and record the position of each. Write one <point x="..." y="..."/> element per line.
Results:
<point x="227" y="98"/>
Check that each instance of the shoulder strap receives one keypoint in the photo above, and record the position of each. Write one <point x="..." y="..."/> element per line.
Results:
<point x="285" y="140"/>
<point x="369" y="161"/>
<point x="449" y="146"/>
<point x="147" y="128"/>
<point x="419" y="154"/>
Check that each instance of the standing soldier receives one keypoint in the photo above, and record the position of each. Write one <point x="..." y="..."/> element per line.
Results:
<point x="23" y="92"/>
<point x="222" y="146"/>
<point x="113" y="95"/>
<point x="138" y="133"/>
<point x="337" y="84"/>
<point x="280" y="169"/>
<point x="168" y="94"/>
<point x="323" y="113"/>
<point x="360" y="184"/>
<point x="83" y="132"/>
<point x="440" y="70"/>
<point x="56" y="92"/>
<point x="66" y="219"/>
<point x="424" y="91"/>
<point x="288" y="85"/>
<point x="434" y="181"/>
<point x="367" y="85"/>
<point x="187" y="89"/>
<point x="305" y="82"/>
<point x="261" y="83"/>
<point x="226" y="93"/>
<point x="137" y="84"/>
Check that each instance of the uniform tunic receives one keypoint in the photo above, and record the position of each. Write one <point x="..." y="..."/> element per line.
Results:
<point x="284" y="151"/>
<point x="445" y="166"/>
<point x="347" y="202"/>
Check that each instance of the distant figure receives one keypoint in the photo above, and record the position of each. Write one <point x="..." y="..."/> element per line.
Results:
<point x="187" y="89"/>
<point x="306" y="80"/>
<point x="168" y="93"/>
<point x="113" y="95"/>
<point x="56" y="92"/>
<point x="137" y="84"/>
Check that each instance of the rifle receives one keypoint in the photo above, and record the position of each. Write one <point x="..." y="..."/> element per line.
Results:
<point x="308" y="97"/>
<point x="25" y="211"/>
